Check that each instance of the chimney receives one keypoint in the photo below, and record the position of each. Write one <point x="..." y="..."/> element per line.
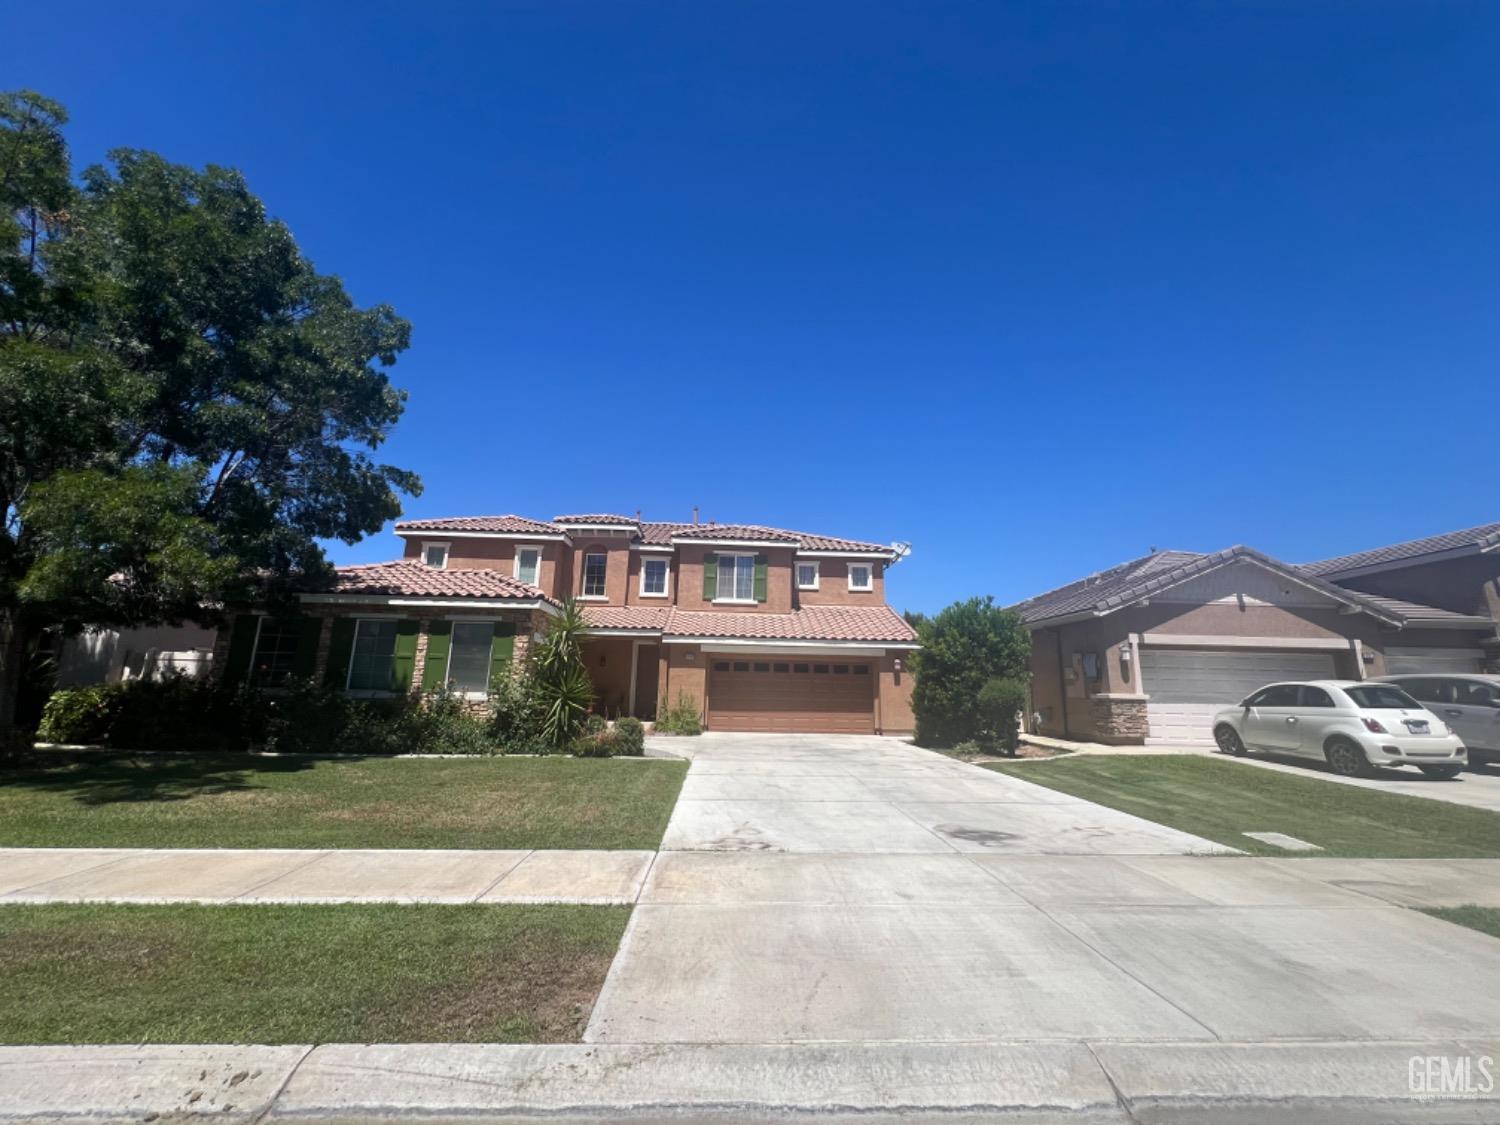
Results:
<point x="637" y="515"/>
<point x="695" y="515"/>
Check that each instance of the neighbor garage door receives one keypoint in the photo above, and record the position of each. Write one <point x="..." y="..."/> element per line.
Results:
<point x="1406" y="660"/>
<point x="1187" y="686"/>
<point x="790" y="696"/>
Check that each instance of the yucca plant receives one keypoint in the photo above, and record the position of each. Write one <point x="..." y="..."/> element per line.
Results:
<point x="562" y="681"/>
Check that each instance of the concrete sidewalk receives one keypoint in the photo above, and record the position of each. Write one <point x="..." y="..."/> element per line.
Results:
<point x="1116" y="1082"/>
<point x="263" y="875"/>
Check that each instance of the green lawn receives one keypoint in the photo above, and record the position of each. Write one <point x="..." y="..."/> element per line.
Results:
<point x="302" y="974"/>
<point x="1220" y="800"/>
<point x="1485" y="919"/>
<point x="243" y="801"/>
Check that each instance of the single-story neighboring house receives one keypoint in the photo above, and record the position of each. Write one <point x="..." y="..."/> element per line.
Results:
<point x="1148" y="650"/>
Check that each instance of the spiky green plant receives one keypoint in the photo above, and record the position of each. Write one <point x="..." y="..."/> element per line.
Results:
<point x="562" y="681"/>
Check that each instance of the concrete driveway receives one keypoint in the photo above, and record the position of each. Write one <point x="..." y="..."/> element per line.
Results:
<point x="858" y="890"/>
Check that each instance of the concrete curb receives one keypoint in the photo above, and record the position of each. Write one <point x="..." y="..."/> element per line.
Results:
<point x="1116" y="1082"/>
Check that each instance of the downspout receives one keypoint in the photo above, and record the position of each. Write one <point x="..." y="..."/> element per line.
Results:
<point x="1062" y="684"/>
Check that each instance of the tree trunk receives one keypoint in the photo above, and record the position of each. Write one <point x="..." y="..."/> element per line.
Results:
<point x="13" y="646"/>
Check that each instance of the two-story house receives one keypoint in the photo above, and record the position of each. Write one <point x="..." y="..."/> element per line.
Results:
<point x="763" y="629"/>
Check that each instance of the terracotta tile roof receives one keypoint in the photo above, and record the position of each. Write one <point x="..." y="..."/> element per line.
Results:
<point x="407" y="578"/>
<point x="653" y="533"/>
<point x="867" y="624"/>
<point x="500" y="524"/>
<point x="1485" y="537"/>
<point x="1119" y="586"/>
<point x="626" y="616"/>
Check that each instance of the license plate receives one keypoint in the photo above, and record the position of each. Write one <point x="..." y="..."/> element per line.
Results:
<point x="1417" y="726"/>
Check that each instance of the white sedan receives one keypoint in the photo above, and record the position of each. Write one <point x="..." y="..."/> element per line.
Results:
<point x="1352" y="726"/>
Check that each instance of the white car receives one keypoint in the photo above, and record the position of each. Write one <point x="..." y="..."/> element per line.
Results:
<point x="1468" y="702"/>
<point x="1352" y="726"/>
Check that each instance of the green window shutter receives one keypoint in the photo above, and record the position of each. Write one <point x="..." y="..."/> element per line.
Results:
<point x="710" y="576"/>
<point x="502" y="649"/>
<point x="760" y="578"/>
<point x="405" y="658"/>
<point x="439" y="641"/>
<point x="241" y="648"/>
<point x="340" y="649"/>
<point x="309" y="633"/>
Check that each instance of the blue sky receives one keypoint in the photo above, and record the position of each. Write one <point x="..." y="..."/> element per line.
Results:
<point x="1033" y="286"/>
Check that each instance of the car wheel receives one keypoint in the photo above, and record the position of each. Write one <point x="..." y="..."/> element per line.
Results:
<point x="1441" y="773"/>
<point x="1229" y="741"/>
<point x="1346" y="759"/>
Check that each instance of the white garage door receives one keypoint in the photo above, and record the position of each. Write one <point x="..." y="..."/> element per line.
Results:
<point x="1402" y="660"/>
<point x="1187" y="686"/>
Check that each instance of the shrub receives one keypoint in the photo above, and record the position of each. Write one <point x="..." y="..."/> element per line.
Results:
<point x="681" y="717"/>
<point x="516" y="713"/>
<point x="76" y="715"/>
<point x="1000" y="702"/>
<point x="176" y="713"/>
<point x="441" y="724"/>
<point x="563" y="683"/>
<point x="596" y="744"/>
<point x="595" y="724"/>
<point x="964" y="647"/>
<point x="632" y="734"/>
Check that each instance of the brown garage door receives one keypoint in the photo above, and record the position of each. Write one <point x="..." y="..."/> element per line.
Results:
<point x="790" y="696"/>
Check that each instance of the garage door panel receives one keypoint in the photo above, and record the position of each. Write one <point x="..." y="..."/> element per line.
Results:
<point x="791" y="702"/>
<point x="1404" y="661"/>
<point x="1188" y="686"/>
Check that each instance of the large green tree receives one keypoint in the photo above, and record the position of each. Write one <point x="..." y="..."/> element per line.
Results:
<point x="964" y="647"/>
<point x="186" y="405"/>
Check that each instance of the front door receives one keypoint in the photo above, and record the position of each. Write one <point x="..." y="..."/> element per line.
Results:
<point x="647" y="673"/>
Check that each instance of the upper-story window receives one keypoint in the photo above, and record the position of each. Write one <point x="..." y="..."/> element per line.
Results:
<point x="807" y="576"/>
<point x="593" y="574"/>
<point x="861" y="576"/>
<point x="435" y="554"/>
<point x="529" y="565"/>
<point x="653" y="578"/>
<point x="736" y="578"/>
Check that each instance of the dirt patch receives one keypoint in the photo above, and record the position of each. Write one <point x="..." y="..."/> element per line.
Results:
<point x="118" y="954"/>
<point x="542" y="998"/>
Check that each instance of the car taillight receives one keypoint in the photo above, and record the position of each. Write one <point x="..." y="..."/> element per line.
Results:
<point x="1373" y="727"/>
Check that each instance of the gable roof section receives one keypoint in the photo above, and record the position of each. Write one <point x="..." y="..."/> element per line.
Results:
<point x="1473" y="540"/>
<point x="1140" y="578"/>
<point x="830" y="623"/>
<point x="407" y="578"/>
<point x="658" y="534"/>
<point x="499" y="525"/>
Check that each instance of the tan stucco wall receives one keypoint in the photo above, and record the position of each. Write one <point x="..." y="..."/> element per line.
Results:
<point x="608" y="662"/>
<point x="1464" y="585"/>
<point x="683" y="671"/>
<point x="493" y="554"/>
<point x="833" y="585"/>
<point x="895" y="713"/>
<point x="778" y="580"/>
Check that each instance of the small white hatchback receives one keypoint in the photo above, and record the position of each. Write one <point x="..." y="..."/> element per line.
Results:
<point x="1353" y="726"/>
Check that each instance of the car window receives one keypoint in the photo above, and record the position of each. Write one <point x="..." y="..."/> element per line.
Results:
<point x="1428" y="690"/>
<point x="1279" y="695"/>
<point x="1315" y="697"/>
<point x="1476" y="694"/>
<point x="1382" y="697"/>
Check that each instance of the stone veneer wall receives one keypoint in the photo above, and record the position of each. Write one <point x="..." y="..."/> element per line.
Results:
<point x="1119" y="720"/>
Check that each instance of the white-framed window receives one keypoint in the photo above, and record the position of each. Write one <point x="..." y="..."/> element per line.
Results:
<point x="275" y="654"/>
<point x="736" y="578"/>
<point x="861" y="576"/>
<point x="529" y="564"/>
<point x="469" y="651"/>
<point x="374" y="655"/>
<point x="435" y="554"/>
<point x="807" y="575"/>
<point x="594" y="565"/>
<point x="654" y="576"/>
